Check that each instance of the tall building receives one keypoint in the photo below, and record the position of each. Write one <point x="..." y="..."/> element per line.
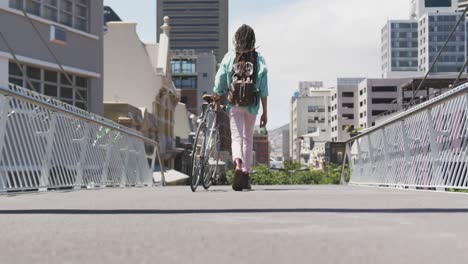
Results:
<point x="194" y="75"/>
<point x="420" y="7"/>
<point x="399" y="48"/>
<point x="73" y="30"/>
<point x="410" y="46"/>
<point x="344" y="115"/>
<point x="310" y="117"/>
<point x="197" y="25"/>
<point x="434" y="29"/>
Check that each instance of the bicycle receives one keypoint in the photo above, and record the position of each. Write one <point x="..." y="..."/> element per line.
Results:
<point x="205" y="153"/>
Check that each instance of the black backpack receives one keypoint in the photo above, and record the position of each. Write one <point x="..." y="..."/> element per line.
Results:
<point x="244" y="78"/>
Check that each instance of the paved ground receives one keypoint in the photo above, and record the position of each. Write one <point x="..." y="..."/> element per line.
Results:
<point x="271" y="225"/>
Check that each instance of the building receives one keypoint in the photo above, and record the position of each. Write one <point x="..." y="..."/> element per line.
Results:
<point x="410" y="46"/>
<point x="344" y="109"/>
<point x="399" y="48"/>
<point x="194" y="75"/>
<point x="376" y="97"/>
<point x="139" y="74"/>
<point x="197" y="25"/>
<point x="434" y="29"/>
<point x="310" y="114"/>
<point x="73" y="32"/>
<point x="420" y="7"/>
<point x="261" y="147"/>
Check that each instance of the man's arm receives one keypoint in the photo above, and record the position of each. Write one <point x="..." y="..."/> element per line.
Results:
<point x="264" y="118"/>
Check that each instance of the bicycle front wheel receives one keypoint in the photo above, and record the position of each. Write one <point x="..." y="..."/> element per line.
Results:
<point x="198" y="163"/>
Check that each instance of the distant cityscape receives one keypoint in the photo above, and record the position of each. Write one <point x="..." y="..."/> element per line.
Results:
<point x="156" y="88"/>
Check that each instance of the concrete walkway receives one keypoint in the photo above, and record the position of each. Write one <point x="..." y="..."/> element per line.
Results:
<point x="322" y="224"/>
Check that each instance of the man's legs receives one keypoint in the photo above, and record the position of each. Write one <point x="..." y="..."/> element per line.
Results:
<point x="249" y="127"/>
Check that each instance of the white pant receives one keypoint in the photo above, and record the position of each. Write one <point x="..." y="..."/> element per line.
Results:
<point x="242" y="130"/>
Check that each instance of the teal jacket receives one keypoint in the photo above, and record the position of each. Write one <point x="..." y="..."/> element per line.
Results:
<point x="223" y="79"/>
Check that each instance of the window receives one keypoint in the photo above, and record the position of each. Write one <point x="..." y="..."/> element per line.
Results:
<point x="312" y="130"/>
<point x="185" y="66"/>
<point x="186" y="82"/>
<point x="378" y="112"/>
<point x="383" y="100"/>
<point x="312" y="108"/>
<point x="72" y="13"/>
<point x="52" y="83"/>
<point x="348" y="105"/>
<point x="348" y="94"/>
<point x="377" y="89"/>
<point x="348" y="116"/>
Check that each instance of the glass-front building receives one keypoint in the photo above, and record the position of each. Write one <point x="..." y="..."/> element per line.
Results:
<point x="399" y="46"/>
<point x="434" y="29"/>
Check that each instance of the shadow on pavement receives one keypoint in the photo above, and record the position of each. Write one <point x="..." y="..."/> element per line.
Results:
<point x="234" y="211"/>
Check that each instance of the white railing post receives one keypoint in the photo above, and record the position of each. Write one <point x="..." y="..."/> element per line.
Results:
<point x="47" y="161"/>
<point x="83" y="149"/>
<point x="5" y="106"/>
<point x="435" y="153"/>
<point x="105" y="168"/>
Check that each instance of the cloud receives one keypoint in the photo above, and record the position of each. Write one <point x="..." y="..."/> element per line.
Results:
<point x="319" y="40"/>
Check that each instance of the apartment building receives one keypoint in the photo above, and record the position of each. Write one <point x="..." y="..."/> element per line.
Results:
<point x="376" y="97"/>
<point x="344" y="109"/>
<point x="310" y="118"/>
<point x="72" y="31"/>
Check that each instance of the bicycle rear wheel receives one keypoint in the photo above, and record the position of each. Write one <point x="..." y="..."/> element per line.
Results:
<point x="212" y="160"/>
<point x="198" y="163"/>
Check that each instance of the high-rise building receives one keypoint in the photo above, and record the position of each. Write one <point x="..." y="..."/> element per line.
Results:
<point x="410" y="46"/>
<point x="399" y="48"/>
<point x="197" y="25"/>
<point x="73" y="30"/>
<point x="310" y="117"/>
<point x="434" y="28"/>
<point x="344" y="115"/>
<point x="420" y="7"/>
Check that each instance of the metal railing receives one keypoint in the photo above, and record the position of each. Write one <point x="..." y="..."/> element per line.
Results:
<point x="423" y="147"/>
<point x="47" y="144"/>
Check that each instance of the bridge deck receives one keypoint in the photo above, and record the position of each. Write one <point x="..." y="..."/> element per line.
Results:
<point x="321" y="224"/>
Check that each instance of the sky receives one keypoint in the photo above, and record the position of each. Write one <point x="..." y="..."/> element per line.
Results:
<point x="301" y="40"/>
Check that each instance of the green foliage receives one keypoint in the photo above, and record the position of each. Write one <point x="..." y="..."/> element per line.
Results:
<point x="265" y="176"/>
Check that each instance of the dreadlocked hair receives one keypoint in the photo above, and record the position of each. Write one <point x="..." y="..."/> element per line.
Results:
<point x="244" y="40"/>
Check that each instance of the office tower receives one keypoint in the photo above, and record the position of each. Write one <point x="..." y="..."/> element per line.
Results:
<point x="399" y="48"/>
<point x="197" y="25"/>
